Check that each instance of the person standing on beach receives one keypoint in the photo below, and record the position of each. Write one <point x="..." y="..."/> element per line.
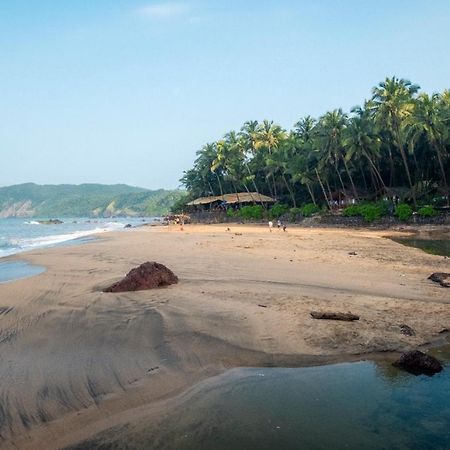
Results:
<point x="270" y="226"/>
<point x="279" y="223"/>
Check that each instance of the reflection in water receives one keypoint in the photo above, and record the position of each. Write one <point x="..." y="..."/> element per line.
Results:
<point x="342" y="406"/>
<point x="433" y="246"/>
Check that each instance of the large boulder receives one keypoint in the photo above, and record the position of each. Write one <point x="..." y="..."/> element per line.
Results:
<point x="149" y="275"/>
<point x="441" y="278"/>
<point x="417" y="363"/>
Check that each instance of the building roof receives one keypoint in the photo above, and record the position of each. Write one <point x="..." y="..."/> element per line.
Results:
<point x="237" y="197"/>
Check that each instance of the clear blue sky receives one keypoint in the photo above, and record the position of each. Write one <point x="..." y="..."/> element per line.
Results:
<point x="122" y="91"/>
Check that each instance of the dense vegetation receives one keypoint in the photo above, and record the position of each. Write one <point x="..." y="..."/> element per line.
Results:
<point x="83" y="200"/>
<point x="396" y="145"/>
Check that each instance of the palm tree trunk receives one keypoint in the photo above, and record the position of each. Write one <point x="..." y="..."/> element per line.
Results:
<point x="351" y="179"/>
<point x="441" y="165"/>
<point x="291" y="192"/>
<point x="311" y="193"/>
<point x="323" y="189"/>
<point x="408" y="174"/>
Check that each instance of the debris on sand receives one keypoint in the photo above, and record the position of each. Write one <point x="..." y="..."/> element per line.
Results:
<point x="348" y="317"/>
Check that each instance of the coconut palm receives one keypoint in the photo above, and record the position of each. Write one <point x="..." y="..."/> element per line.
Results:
<point x="392" y="103"/>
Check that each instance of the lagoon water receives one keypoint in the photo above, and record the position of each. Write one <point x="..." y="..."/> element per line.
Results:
<point x="435" y="246"/>
<point x="362" y="405"/>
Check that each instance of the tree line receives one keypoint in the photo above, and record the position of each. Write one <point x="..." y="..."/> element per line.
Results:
<point x="396" y="145"/>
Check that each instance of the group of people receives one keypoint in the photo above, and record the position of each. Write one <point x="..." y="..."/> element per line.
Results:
<point x="279" y="225"/>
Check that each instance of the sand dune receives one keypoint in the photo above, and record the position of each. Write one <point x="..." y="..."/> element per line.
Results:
<point x="75" y="361"/>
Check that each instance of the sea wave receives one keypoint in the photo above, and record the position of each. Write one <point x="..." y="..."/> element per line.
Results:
<point x="16" y="245"/>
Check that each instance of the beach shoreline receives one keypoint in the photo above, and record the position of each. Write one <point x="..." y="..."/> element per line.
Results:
<point x="78" y="361"/>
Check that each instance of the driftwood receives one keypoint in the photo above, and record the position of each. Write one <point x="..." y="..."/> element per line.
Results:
<point x="348" y="317"/>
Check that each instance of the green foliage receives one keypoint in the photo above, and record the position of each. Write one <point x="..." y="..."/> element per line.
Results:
<point x="369" y="211"/>
<point x="278" y="210"/>
<point x="351" y="211"/>
<point x="293" y="213"/>
<point x="255" y="212"/>
<point x="309" y="209"/>
<point x="231" y="213"/>
<point x="403" y="211"/>
<point x="427" y="211"/>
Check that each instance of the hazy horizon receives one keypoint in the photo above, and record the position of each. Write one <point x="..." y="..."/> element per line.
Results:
<point x="125" y="92"/>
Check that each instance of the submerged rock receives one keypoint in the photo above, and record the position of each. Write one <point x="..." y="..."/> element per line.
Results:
<point x="128" y="225"/>
<point x="440" y="277"/>
<point x="50" y="222"/>
<point x="149" y="275"/>
<point x="418" y="363"/>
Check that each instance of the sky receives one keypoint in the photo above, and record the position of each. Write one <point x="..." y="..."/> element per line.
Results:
<point x="115" y="91"/>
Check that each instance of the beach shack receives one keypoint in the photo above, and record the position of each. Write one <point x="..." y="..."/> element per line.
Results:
<point x="214" y="208"/>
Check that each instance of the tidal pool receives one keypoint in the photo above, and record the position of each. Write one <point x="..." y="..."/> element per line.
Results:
<point x="15" y="270"/>
<point x="363" y="405"/>
<point x="430" y="245"/>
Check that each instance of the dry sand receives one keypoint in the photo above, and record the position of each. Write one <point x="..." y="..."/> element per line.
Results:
<point x="75" y="361"/>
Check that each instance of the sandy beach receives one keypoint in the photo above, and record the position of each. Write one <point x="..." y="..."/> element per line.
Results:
<point x="76" y="361"/>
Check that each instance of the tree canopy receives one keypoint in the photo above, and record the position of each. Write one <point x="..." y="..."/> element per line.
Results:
<point x="397" y="142"/>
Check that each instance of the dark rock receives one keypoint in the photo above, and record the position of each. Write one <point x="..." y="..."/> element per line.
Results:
<point x="128" y="225"/>
<point x="50" y="222"/>
<point x="149" y="275"/>
<point x="407" y="331"/>
<point x="440" y="277"/>
<point x="352" y="253"/>
<point x="418" y="363"/>
<point x="348" y="317"/>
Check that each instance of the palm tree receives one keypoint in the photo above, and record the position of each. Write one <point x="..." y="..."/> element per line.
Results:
<point x="268" y="136"/>
<point x="392" y="103"/>
<point x="360" y="139"/>
<point x="428" y="119"/>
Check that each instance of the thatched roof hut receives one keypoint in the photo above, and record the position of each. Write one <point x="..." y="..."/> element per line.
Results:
<point x="237" y="197"/>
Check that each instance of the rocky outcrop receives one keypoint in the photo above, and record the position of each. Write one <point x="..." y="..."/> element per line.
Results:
<point x="50" y="222"/>
<point x="347" y="317"/>
<point x="149" y="275"/>
<point x="418" y="363"/>
<point x="441" y="278"/>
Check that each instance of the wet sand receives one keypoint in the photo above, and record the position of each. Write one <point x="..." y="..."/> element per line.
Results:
<point x="75" y="361"/>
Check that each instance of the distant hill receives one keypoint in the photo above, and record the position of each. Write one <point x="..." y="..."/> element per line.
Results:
<point x="91" y="200"/>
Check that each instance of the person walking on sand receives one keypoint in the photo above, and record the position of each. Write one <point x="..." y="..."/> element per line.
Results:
<point x="279" y="223"/>
<point x="270" y="226"/>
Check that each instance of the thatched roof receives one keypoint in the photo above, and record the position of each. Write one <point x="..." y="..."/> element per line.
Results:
<point x="239" y="197"/>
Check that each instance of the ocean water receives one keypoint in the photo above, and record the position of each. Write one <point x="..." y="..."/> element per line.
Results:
<point x="21" y="234"/>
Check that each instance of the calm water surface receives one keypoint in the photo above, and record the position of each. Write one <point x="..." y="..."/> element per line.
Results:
<point x="342" y="406"/>
<point x="435" y="246"/>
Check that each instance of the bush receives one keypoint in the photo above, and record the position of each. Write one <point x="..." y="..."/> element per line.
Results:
<point x="293" y="213"/>
<point x="251" y="212"/>
<point x="427" y="211"/>
<point x="231" y="213"/>
<point x="278" y="210"/>
<point x="403" y="212"/>
<point x="351" y="211"/>
<point x="309" y="209"/>
<point x="369" y="211"/>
